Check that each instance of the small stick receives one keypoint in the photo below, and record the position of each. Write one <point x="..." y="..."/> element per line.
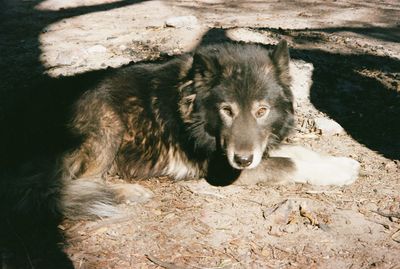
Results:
<point x="110" y="221"/>
<point x="165" y="265"/>
<point x="322" y="192"/>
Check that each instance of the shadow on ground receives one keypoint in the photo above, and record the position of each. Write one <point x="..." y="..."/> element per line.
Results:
<point x="360" y="91"/>
<point x="364" y="106"/>
<point x="33" y="115"/>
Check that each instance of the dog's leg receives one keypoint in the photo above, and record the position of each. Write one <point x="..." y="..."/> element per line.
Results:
<point x="271" y="171"/>
<point x="84" y="192"/>
<point x="319" y="169"/>
<point x="298" y="164"/>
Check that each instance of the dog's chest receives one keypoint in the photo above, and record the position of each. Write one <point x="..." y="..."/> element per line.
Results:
<point x="178" y="166"/>
<point x="153" y="157"/>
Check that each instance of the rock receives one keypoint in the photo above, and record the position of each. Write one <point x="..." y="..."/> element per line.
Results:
<point x="309" y="136"/>
<point x="290" y="228"/>
<point x="301" y="73"/>
<point x="181" y="21"/>
<point x="97" y="49"/>
<point x="391" y="166"/>
<point x="247" y="35"/>
<point x="71" y="57"/>
<point x="328" y="126"/>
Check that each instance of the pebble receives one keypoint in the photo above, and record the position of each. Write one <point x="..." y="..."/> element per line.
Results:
<point x="391" y="166"/>
<point x="301" y="72"/>
<point x="328" y="126"/>
<point x="181" y="21"/>
<point x="71" y="57"/>
<point x="290" y="228"/>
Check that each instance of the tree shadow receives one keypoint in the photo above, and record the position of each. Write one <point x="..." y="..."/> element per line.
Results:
<point x="366" y="108"/>
<point x="391" y="34"/>
<point x="22" y="96"/>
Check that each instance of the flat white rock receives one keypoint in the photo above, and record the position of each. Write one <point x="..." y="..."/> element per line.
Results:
<point x="181" y="21"/>
<point x="328" y="126"/>
<point x="97" y="49"/>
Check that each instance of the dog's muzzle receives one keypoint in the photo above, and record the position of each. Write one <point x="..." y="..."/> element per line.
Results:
<point x="243" y="161"/>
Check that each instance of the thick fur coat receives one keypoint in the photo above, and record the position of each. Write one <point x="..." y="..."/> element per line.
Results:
<point x="187" y="118"/>
<point x="219" y="113"/>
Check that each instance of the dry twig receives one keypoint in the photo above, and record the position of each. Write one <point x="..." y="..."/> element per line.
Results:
<point x="166" y="265"/>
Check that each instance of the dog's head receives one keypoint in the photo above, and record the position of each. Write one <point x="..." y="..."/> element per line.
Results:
<point x="240" y="100"/>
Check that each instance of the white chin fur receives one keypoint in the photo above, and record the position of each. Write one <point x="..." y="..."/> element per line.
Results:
<point x="230" y="155"/>
<point x="257" y="156"/>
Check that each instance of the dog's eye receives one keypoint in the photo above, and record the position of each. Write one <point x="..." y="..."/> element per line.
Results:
<point x="262" y="111"/>
<point x="227" y="111"/>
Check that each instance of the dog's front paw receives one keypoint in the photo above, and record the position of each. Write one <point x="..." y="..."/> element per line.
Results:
<point x="347" y="171"/>
<point x="337" y="171"/>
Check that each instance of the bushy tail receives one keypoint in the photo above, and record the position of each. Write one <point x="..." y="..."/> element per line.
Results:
<point x="88" y="198"/>
<point x="33" y="200"/>
<point x="32" y="194"/>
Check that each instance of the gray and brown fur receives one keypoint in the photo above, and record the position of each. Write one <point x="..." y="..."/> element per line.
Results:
<point x="156" y="120"/>
<point x="220" y="113"/>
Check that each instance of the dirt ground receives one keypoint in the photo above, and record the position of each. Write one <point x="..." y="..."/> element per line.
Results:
<point x="346" y="67"/>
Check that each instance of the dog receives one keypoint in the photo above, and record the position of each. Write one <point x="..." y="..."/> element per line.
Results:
<point x="220" y="113"/>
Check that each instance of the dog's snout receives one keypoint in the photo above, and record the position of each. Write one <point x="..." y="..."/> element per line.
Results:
<point x="243" y="161"/>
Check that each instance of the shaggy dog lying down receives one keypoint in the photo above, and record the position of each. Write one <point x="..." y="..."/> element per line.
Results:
<point x="220" y="113"/>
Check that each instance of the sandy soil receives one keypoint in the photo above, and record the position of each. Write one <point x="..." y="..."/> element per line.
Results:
<point x="346" y="67"/>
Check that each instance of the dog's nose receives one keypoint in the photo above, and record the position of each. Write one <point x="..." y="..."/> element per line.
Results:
<point x="243" y="161"/>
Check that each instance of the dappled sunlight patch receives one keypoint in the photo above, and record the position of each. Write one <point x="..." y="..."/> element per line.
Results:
<point x="114" y="38"/>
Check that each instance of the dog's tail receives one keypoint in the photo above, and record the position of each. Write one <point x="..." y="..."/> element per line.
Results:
<point x="48" y="192"/>
<point x="88" y="199"/>
<point x="33" y="200"/>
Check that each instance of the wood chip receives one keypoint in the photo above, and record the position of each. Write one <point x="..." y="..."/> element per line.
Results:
<point x="308" y="215"/>
<point x="396" y="236"/>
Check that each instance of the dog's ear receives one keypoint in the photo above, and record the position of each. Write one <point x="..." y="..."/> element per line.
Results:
<point x="205" y="66"/>
<point x="280" y="54"/>
<point x="186" y="107"/>
<point x="280" y="57"/>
